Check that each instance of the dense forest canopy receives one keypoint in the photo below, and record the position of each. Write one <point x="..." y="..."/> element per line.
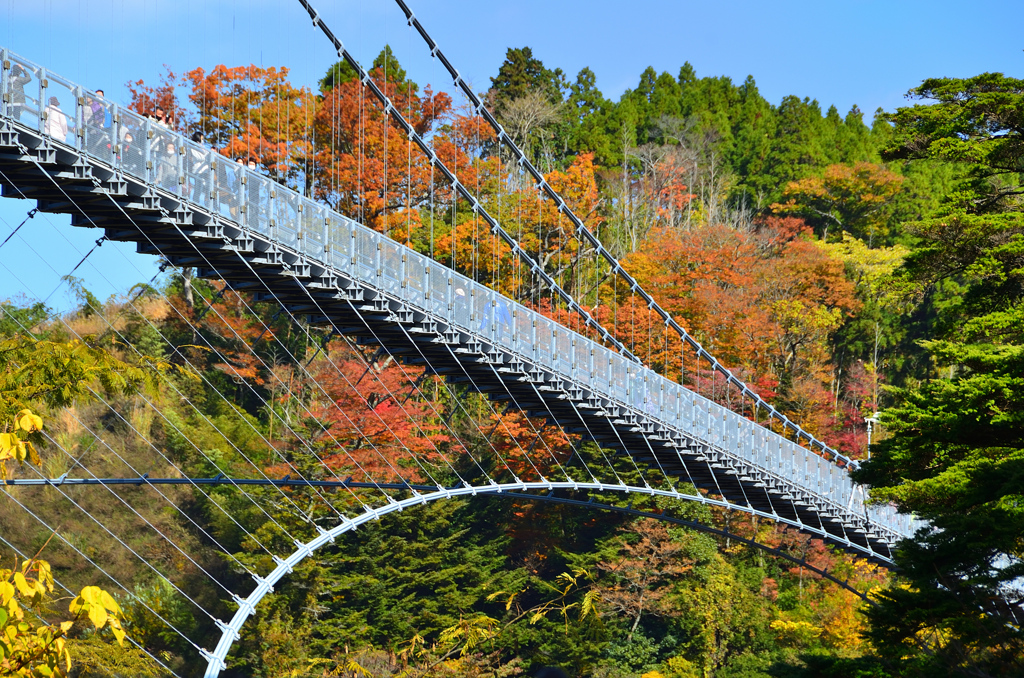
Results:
<point x="843" y="267"/>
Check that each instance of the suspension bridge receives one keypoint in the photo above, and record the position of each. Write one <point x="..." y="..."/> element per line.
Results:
<point x="137" y="181"/>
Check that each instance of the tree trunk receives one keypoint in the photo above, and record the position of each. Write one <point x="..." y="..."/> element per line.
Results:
<point x="186" y="276"/>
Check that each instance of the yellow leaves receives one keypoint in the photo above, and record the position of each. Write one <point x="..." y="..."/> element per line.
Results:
<point x="28" y="422"/>
<point x="797" y="633"/>
<point x="853" y="198"/>
<point x="470" y="632"/>
<point x="56" y="373"/>
<point x="508" y="601"/>
<point x="101" y="609"/>
<point x="41" y="650"/>
<point x="873" y="269"/>
<point x="353" y="667"/>
<point x="809" y="320"/>
<point x="13" y="446"/>
<point x="6" y="591"/>
<point x="589" y="606"/>
<point x="681" y="667"/>
<point x="43" y="573"/>
<point x="23" y="586"/>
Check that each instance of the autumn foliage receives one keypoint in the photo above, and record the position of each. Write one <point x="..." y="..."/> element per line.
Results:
<point x="781" y="294"/>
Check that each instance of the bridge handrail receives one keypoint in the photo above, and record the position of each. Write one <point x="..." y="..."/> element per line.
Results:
<point x="191" y="173"/>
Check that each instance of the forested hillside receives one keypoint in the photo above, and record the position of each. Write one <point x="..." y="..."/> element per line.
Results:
<point x="846" y="268"/>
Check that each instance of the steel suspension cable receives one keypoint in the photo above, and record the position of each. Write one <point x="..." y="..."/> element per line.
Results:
<point x="109" y="576"/>
<point x="72" y="594"/>
<point x="585" y="234"/>
<point x="213" y="348"/>
<point x="157" y="411"/>
<point x="185" y="358"/>
<point x="131" y="426"/>
<point x="459" y="187"/>
<point x="312" y="417"/>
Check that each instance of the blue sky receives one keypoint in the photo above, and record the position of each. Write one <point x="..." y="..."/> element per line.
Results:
<point x="862" y="52"/>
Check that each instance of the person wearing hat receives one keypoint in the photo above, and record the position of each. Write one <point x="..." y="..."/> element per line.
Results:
<point x="56" y="125"/>
<point x="19" y="78"/>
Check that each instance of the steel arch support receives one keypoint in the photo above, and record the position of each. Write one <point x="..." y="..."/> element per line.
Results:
<point x="231" y="631"/>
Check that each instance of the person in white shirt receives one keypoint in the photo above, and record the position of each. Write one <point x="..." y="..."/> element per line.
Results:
<point x="56" y="122"/>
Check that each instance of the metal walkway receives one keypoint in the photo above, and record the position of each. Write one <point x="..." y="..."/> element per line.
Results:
<point x="144" y="183"/>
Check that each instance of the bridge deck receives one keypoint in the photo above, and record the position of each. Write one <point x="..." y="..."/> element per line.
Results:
<point x="143" y="183"/>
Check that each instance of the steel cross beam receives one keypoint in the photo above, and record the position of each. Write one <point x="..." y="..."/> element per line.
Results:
<point x="418" y="490"/>
<point x="550" y="497"/>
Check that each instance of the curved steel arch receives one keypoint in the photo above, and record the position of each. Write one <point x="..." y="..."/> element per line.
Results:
<point x="700" y="527"/>
<point x="230" y="631"/>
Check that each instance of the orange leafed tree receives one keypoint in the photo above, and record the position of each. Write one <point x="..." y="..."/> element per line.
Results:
<point x="366" y="166"/>
<point x="383" y="422"/>
<point x="249" y="111"/>
<point x="845" y="198"/>
<point x="145" y="99"/>
<point x="764" y="302"/>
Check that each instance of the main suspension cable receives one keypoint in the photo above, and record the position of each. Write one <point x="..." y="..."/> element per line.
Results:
<point x="585" y="234"/>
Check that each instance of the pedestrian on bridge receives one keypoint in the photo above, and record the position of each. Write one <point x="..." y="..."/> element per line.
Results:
<point x="56" y="122"/>
<point x="19" y="78"/>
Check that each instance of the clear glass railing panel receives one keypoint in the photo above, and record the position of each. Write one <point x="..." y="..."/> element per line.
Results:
<point x="314" y="232"/>
<point x="308" y="241"/>
<point x="258" y="204"/>
<point x="340" y="241"/>
<point x="416" y="291"/>
<point x="286" y="218"/>
<point x="524" y="342"/>
<point x="636" y="386"/>
<point x="442" y="303"/>
<point x="544" y="340"/>
<point x="670" y="405"/>
<point x="60" y="108"/>
<point x="366" y="254"/>
<point x="655" y="389"/>
<point x="583" y="367"/>
<point x="619" y="375"/>
<point x="232" y="192"/>
<point x="744" y="439"/>
<point x="222" y="188"/>
<point x="391" y="266"/>
<point x="132" y="141"/>
<point x="563" y="359"/>
<point x="785" y="466"/>
<point x="464" y="312"/>
<point x="5" y="86"/>
<point x="198" y="175"/>
<point x="98" y="128"/>
<point x="481" y="312"/>
<point x="502" y="321"/>
<point x="163" y="156"/>
<point x="764" y="452"/>
<point x="600" y="369"/>
<point x="23" y="85"/>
